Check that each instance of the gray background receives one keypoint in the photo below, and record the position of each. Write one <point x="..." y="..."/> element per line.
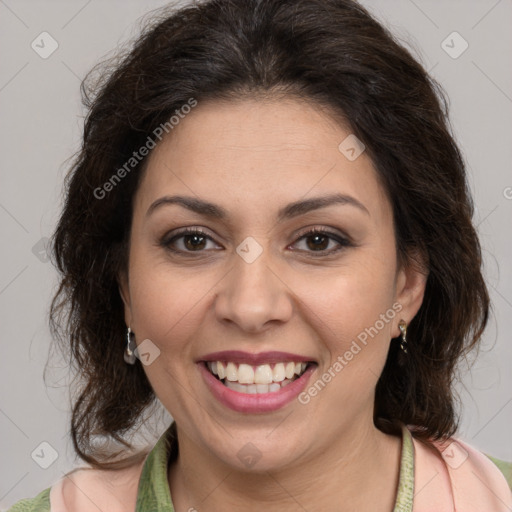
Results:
<point x="41" y="118"/>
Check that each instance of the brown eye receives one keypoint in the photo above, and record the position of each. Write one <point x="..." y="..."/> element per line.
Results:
<point x="194" y="242"/>
<point x="187" y="240"/>
<point x="318" y="241"/>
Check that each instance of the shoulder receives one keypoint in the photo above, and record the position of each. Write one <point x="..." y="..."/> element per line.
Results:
<point x="454" y="470"/>
<point x="87" y="489"/>
<point x="93" y="489"/>
<point x="504" y="467"/>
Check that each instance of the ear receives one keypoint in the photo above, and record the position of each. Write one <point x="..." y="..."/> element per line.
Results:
<point x="124" y="291"/>
<point x="411" y="281"/>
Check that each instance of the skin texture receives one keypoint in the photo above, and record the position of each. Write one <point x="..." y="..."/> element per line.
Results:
<point x="253" y="157"/>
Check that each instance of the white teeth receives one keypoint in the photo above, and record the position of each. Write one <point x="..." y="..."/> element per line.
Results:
<point x="278" y="373"/>
<point x="253" y="389"/>
<point x="262" y="388"/>
<point x="289" y="370"/>
<point x="261" y="375"/>
<point x="245" y="374"/>
<point x="235" y="386"/>
<point x="221" y="370"/>
<point x="231" y="372"/>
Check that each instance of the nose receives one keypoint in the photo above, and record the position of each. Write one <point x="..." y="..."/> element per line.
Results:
<point x="253" y="295"/>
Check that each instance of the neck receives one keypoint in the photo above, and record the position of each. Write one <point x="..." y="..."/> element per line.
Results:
<point x="359" y="471"/>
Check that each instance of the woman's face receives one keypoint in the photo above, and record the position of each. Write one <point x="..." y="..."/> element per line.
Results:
<point x="256" y="284"/>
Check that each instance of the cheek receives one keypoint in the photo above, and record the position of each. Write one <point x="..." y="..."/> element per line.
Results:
<point x="350" y="301"/>
<point x="344" y="312"/>
<point x="168" y="309"/>
<point x="166" y="300"/>
<point x="166" y="306"/>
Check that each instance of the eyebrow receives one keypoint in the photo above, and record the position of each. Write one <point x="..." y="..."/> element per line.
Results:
<point x="290" y="211"/>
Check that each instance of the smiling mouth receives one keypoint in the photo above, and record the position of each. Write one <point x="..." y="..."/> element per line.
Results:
<point x="258" y="379"/>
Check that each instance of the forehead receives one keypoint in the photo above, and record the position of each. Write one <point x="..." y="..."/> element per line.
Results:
<point x="252" y="154"/>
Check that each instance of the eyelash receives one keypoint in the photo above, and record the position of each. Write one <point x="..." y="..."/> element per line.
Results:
<point x="342" y="241"/>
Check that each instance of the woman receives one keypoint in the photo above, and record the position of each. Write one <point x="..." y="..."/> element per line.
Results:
<point x="268" y="229"/>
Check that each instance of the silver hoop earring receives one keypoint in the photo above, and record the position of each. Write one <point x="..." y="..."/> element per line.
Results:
<point x="129" y="356"/>
<point x="403" y="334"/>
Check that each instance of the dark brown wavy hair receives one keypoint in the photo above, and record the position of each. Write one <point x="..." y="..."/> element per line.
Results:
<point x="330" y="53"/>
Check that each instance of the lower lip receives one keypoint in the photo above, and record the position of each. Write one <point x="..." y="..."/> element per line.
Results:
<point x="259" y="402"/>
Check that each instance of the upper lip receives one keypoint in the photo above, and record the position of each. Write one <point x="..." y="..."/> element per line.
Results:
<point x="239" y="356"/>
